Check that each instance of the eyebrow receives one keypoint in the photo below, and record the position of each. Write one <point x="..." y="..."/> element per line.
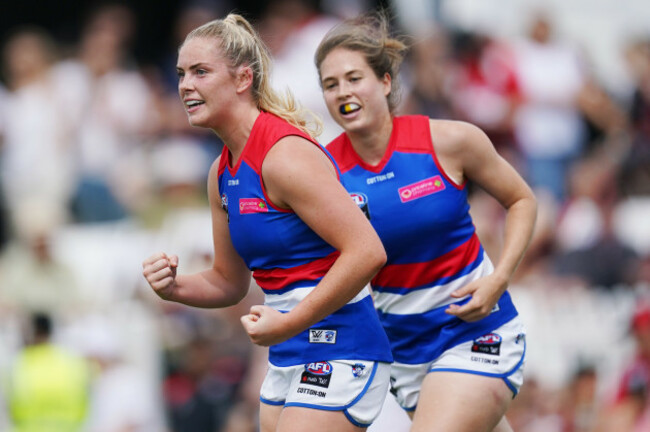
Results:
<point x="192" y="67"/>
<point x="348" y="73"/>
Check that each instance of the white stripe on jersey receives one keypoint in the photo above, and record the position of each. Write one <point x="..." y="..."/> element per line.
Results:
<point x="426" y="299"/>
<point x="288" y="300"/>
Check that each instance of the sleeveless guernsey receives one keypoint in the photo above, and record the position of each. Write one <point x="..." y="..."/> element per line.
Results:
<point x="288" y="259"/>
<point x="423" y="220"/>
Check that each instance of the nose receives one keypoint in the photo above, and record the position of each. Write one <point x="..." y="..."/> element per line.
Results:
<point x="184" y="85"/>
<point x="343" y="90"/>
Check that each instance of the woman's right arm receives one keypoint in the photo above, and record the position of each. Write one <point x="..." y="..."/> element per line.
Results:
<point x="224" y="284"/>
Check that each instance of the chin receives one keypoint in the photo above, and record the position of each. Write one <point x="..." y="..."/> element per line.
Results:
<point x="196" y="122"/>
<point x="353" y="126"/>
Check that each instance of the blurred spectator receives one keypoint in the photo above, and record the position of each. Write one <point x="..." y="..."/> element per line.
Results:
<point x="4" y="213"/>
<point x="199" y="391"/>
<point x="109" y="103"/>
<point x="292" y="29"/>
<point x="579" y="403"/>
<point x="178" y="167"/>
<point x="485" y="87"/>
<point x="636" y="166"/>
<point x="429" y="72"/>
<point x="630" y="409"/>
<point x="535" y="409"/>
<point x="584" y="231"/>
<point x="33" y="278"/>
<point x="548" y="124"/>
<point x="36" y="158"/>
<point x="48" y="388"/>
<point x="120" y="398"/>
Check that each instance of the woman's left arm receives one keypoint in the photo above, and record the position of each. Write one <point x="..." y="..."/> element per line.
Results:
<point x="480" y="163"/>
<point x="298" y="175"/>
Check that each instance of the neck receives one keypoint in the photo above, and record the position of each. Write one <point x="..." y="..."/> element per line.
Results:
<point x="371" y="145"/>
<point x="237" y="129"/>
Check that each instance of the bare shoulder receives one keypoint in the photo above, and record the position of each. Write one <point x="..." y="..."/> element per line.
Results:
<point x="294" y="167"/>
<point x="452" y="137"/>
<point x="294" y="154"/>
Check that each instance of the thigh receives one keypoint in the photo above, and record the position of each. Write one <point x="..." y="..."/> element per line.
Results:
<point x="461" y="402"/>
<point x="299" y="419"/>
<point x="269" y="417"/>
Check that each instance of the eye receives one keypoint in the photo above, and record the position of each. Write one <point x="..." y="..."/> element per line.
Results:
<point x="180" y="73"/>
<point x="201" y="72"/>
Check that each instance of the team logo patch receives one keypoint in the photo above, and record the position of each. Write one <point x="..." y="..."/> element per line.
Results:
<point x="487" y="344"/>
<point x="421" y="189"/>
<point x="224" y="205"/>
<point x="358" y="370"/>
<point x="252" y="205"/>
<point x="318" y="374"/>
<point x="322" y="336"/>
<point x="361" y="200"/>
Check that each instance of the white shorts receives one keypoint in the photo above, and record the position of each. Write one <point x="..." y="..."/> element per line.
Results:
<point x="356" y="387"/>
<point x="498" y="354"/>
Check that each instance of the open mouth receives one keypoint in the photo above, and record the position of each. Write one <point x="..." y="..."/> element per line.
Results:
<point x="349" y="108"/>
<point x="193" y="103"/>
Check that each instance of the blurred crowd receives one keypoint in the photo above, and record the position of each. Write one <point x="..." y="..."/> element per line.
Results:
<point x="99" y="168"/>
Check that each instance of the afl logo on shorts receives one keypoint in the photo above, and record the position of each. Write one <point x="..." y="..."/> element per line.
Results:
<point x="487" y="344"/>
<point x="361" y="200"/>
<point x="319" y="368"/>
<point x="318" y="374"/>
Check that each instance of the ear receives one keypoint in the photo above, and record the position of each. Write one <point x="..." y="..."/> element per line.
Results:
<point x="243" y="79"/>
<point x="387" y="82"/>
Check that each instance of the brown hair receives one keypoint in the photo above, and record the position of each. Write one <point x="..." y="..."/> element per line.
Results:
<point x="369" y="35"/>
<point x="242" y="45"/>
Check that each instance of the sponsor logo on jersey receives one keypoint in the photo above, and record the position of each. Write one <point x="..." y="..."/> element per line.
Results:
<point x="361" y="200"/>
<point x="487" y="344"/>
<point x="317" y="374"/>
<point x="421" y="189"/>
<point x="252" y="205"/>
<point x="358" y="370"/>
<point x="322" y="336"/>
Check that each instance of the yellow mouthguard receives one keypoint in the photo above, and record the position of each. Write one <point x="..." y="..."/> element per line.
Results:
<point x="347" y="108"/>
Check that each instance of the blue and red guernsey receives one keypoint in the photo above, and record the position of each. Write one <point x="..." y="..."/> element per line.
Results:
<point x="423" y="220"/>
<point x="288" y="258"/>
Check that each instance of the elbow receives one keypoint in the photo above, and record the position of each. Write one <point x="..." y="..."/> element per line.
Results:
<point x="235" y="296"/>
<point x="532" y="199"/>
<point x="527" y="202"/>
<point x="376" y="258"/>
